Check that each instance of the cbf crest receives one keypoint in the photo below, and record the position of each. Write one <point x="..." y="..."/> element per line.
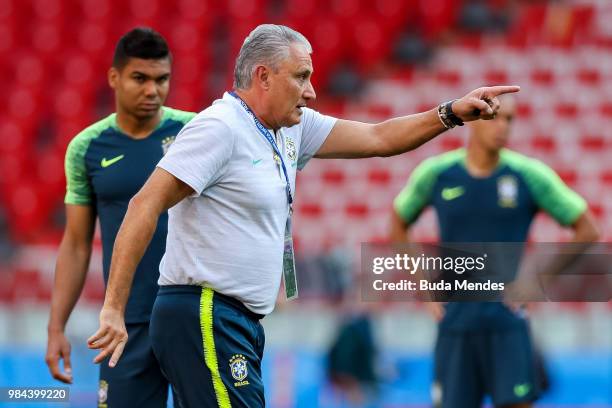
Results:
<point x="239" y="369"/>
<point x="166" y="142"/>
<point x="291" y="150"/>
<point x="507" y="191"/>
<point x="102" y="394"/>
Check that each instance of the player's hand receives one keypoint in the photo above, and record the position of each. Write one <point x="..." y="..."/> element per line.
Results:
<point x="111" y="337"/>
<point x="481" y="103"/>
<point x="436" y="309"/>
<point x="58" y="347"/>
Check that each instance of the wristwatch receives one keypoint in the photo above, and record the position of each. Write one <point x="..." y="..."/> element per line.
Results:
<point x="447" y="116"/>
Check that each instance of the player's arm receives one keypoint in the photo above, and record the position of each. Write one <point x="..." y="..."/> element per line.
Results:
<point x="407" y="207"/>
<point x="569" y="209"/>
<point x="70" y="273"/>
<point x="351" y="139"/>
<point x="400" y="229"/>
<point x="563" y="204"/>
<point x="585" y="229"/>
<point x="161" y="191"/>
<point x="400" y="234"/>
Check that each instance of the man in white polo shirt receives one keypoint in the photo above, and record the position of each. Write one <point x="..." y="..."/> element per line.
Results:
<point x="229" y="181"/>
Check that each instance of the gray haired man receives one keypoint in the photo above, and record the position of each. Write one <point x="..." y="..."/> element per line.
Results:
<point x="229" y="182"/>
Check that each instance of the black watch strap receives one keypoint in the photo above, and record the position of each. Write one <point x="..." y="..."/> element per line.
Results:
<point x="447" y="116"/>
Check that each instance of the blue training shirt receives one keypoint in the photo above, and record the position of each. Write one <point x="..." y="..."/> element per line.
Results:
<point x="497" y="208"/>
<point x="105" y="168"/>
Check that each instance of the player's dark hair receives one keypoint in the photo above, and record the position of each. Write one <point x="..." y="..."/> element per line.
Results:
<point x="141" y="42"/>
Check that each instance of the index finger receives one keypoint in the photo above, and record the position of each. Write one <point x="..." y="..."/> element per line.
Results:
<point x="493" y="91"/>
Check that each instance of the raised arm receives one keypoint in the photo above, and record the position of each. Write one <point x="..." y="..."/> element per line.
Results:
<point x="350" y="139"/>
<point x="159" y="193"/>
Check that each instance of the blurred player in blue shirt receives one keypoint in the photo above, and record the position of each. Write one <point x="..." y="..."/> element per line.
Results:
<point x="486" y="193"/>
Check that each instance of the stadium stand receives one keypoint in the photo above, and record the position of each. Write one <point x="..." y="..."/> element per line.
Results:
<point x="56" y="54"/>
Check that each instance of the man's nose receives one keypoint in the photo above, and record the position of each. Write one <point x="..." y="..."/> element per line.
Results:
<point x="309" y="93"/>
<point x="150" y="89"/>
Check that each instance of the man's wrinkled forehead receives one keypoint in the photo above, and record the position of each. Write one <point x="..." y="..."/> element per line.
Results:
<point x="299" y="57"/>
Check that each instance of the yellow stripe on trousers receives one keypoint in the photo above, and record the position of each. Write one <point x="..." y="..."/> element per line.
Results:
<point x="210" y="352"/>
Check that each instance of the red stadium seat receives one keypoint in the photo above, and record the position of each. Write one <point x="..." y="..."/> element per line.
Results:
<point x="29" y="70"/>
<point x="78" y="69"/>
<point x="593" y="143"/>
<point x="93" y="40"/>
<point x="26" y="284"/>
<point x="329" y="43"/>
<point x="7" y="292"/>
<point x="395" y="14"/>
<point x="357" y="210"/>
<point x="590" y="77"/>
<point x="185" y="97"/>
<point x="70" y="103"/>
<point x="379" y="176"/>
<point x="543" y="77"/>
<point x="13" y="167"/>
<point x="48" y="10"/>
<point x="436" y="16"/>
<point x="448" y="76"/>
<point x="187" y="39"/>
<point x="380" y="111"/>
<point x="333" y="176"/>
<point x="94" y="291"/>
<point x="8" y="40"/>
<point x="98" y="11"/>
<point x="46" y="38"/>
<point x="370" y="43"/>
<point x="199" y="11"/>
<point x="567" y="110"/>
<point x="524" y="110"/>
<point x="544" y="143"/>
<point x="493" y="77"/>
<point x="248" y="14"/>
<point x="16" y="139"/>
<point x="311" y="209"/>
<point x="606" y="177"/>
<point x="606" y="108"/>
<point x="451" y="142"/>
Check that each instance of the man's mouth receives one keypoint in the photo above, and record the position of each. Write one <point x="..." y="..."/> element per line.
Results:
<point x="149" y="105"/>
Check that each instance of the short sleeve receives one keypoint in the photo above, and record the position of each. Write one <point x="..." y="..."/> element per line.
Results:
<point x="78" y="186"/>
<point x="552" y="194"/>
<point x="416" y="195"/>
<point x="315" y="129"/>
<point x="200" y="152"/>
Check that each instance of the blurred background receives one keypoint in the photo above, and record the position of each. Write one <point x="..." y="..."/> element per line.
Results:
<point x="373" y="59"/>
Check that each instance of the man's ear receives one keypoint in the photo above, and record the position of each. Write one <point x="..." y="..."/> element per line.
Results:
<point x="113" y="77"/>
<point x="262" y="75"/>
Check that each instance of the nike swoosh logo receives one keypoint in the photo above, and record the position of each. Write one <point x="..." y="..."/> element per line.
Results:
<point x="256" y="162"/>
<point x="450" y="193"/>
<point x="105" y="163"/>
<point x="520" y="390"/>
